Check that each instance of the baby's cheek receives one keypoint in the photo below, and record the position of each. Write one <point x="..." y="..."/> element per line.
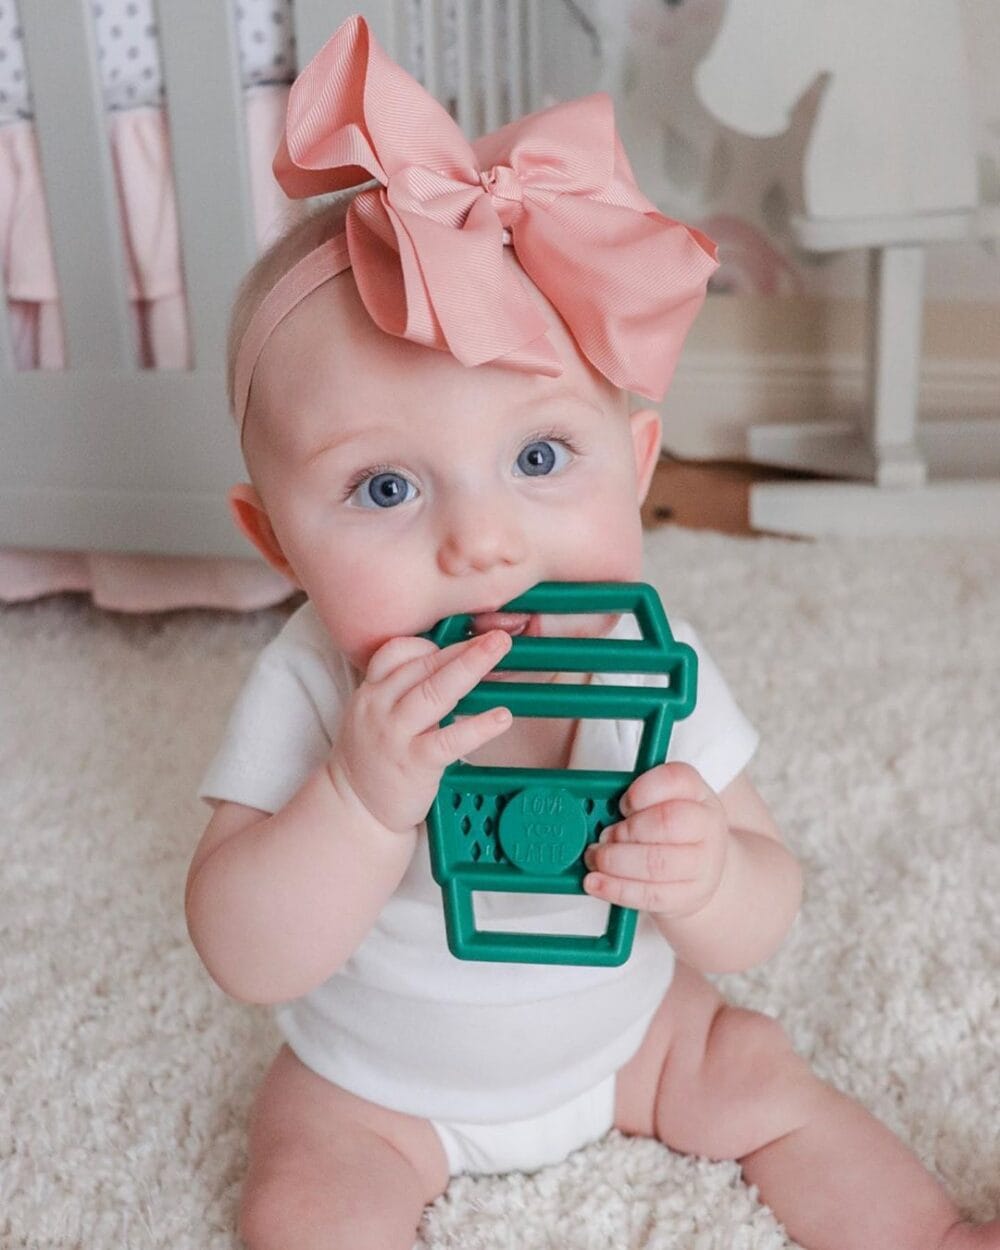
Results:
<point x="607" y="546"/>
<point x="360" y="606"/>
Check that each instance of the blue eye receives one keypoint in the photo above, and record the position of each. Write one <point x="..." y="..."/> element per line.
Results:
<point x="383" y="490"/>
<point x="539" y="457"/>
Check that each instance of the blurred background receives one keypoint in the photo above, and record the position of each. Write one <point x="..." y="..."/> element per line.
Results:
<point x="845" y="372"/>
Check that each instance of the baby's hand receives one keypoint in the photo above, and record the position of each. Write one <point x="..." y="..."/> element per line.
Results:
<point x="390" y="753"/>
<point x="668" y="854"/>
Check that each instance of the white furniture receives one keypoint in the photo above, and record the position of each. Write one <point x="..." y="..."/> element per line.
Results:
<point x="890" y="168"/>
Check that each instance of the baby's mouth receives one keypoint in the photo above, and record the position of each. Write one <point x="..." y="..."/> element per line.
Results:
<point x="514" y="623"/>
<point x="532" y="625"/>
<point x="535" y="625"/>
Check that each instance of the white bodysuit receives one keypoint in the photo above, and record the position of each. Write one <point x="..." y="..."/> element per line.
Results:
<point x="405" y="1023"/>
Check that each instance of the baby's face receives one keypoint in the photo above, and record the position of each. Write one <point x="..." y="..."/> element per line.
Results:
<point x="403" y="487"/>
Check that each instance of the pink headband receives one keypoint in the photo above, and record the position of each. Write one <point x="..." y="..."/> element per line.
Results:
<point x="426" y="245"/>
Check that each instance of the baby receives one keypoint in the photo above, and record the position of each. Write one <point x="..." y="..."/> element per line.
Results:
<point x="432" y="380"/>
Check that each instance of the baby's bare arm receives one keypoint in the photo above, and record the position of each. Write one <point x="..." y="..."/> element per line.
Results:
<point x="276" y="903"/>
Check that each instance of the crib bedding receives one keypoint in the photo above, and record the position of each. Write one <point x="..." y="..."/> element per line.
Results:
<point x="128" y="55"/>
<point x="140" y="147"/>
<point x="128" y="59"/>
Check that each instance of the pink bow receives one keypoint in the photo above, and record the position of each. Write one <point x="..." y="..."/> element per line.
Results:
<point x="426" y="245"/>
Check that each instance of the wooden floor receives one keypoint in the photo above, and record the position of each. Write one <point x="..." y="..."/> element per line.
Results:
<point x="712" y="495"/>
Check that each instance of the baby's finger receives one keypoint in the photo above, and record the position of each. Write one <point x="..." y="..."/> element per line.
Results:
<point x="666" y="781"/>
<point x="437" y="748"/>
<point x="435" y="695"/>
<point x="398" y="653"/>
<point x="397" y="666"/>
<point x="678" y="821"/>
<point x="649" y="861"/>
<point x="642" y="895"/>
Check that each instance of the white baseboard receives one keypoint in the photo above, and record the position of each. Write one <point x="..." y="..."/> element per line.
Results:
<point x="717" y="396"/>
<point x="858" y="510"/>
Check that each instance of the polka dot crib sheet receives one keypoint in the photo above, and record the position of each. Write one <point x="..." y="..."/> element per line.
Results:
<point x="128" y="54"/>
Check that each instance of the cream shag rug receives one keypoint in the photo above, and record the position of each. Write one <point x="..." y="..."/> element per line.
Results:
<point x="873" y="672"/>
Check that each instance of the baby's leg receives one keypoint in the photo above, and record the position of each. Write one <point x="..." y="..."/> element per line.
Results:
<point x="328" y="1169"/>
<point x="721" y="1082"/>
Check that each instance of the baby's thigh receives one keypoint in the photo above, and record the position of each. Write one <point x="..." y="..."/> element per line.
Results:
<point x="681" y="1023"/>
<point x="713" y="1079"/>
<point x="329" y="1168"/>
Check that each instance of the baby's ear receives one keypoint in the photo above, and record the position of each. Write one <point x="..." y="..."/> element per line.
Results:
<point x="647" y="436"/>
<point x="251" y="519"/>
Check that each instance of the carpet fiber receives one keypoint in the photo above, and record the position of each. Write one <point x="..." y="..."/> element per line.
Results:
<point x="873" y="672"/>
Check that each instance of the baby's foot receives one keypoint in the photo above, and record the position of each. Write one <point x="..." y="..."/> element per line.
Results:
<point x="973" y="1237"/>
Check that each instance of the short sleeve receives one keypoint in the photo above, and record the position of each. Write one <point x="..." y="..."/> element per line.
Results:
<point x="282" y="723"/>
<point x="717" y="738"/>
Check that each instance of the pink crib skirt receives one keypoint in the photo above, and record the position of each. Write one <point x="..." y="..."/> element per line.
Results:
<point x="141" y="155"/>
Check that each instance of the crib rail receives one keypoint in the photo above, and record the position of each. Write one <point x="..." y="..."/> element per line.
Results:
<point x="105" y="455"/>
<point x="208" y="145"/>
<point x="69" y="123"/>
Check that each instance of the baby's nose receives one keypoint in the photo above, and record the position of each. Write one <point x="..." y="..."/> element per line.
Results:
<point x="478" y="536"/>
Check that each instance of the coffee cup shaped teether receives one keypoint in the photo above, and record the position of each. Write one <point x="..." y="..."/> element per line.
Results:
<point x="525" y="830"/>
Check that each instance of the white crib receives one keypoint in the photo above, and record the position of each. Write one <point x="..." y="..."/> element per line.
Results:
<point x="105" y="455"/>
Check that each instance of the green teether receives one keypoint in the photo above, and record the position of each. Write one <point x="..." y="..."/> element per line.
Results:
<point x="524" y="830"/>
